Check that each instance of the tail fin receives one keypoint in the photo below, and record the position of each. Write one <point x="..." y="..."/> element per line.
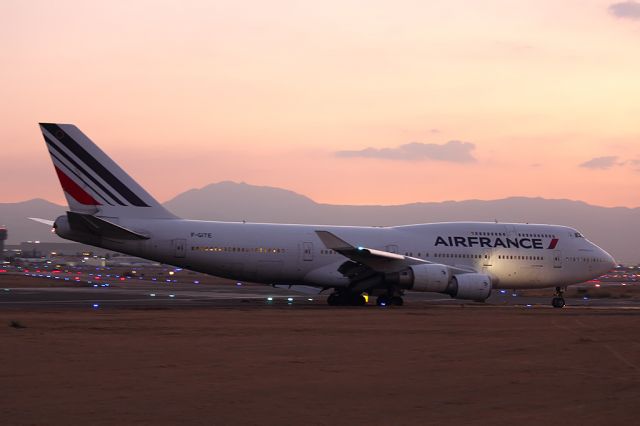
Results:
<point x="92" y="182"/>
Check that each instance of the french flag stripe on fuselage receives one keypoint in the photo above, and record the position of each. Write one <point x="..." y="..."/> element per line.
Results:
<point x="59" y="164"/>
<point x="93" y="164"/>
<point x="553" y="243"/>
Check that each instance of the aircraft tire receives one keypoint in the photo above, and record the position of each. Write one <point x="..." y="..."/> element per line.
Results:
<point x="397" y="301"/>
<point x="333" y="300"/>
<point x="557" y="302"/>
<point x="383" y="301"/>
<point x="358" y="300"/>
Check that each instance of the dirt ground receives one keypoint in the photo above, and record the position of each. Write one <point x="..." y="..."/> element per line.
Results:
<point x="320" y="365"/>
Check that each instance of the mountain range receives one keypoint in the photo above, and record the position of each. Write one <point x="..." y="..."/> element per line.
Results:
<point x="616" y="229"/>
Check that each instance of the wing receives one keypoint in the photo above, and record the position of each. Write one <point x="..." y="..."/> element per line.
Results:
<point x="376" y="260"/>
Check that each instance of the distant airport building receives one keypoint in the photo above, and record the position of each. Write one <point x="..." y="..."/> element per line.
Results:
<point x="72" y="254"/>
<point x="33" y="249"/>
<point x="3" y="237"/>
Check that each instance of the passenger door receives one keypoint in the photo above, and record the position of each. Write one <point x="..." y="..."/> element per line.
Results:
<point x="557" y="259"/>
<point x="179" y="248"/>
<point x="307" y="251"/>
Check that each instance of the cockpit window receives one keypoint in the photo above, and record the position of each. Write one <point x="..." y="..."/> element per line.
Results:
<point x="579" y="235"/>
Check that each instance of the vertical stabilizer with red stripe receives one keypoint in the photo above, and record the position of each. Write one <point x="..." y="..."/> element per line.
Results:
<point x="92" y="182"/>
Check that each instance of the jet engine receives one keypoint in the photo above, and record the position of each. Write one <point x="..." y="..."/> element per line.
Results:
<point x="428" y="277"/>
<point x="470" y="286"/>
<point x="438" y="278"/>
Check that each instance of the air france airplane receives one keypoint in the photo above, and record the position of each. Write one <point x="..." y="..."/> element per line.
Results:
<point x="465" y="260"/>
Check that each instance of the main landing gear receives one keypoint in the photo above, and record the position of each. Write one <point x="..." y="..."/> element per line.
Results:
<point x="350" y="299"/>
<point x="558" y="301"/>
<point x="346" y="299"/>
<point x="385" y="300"/>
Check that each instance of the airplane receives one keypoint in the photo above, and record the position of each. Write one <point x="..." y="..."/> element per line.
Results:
<point x="465" y="260"/>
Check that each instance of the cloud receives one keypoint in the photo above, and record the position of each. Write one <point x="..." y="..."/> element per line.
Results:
<point x="601" y="163"/>
<point x="626" y="9"/>
<point x="452" y="151"/>
<point x="635" y="164"/>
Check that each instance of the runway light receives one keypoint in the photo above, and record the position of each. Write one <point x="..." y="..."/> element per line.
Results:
<point x="310" y="299"/>
<point x="171" y="272"/>
<point x="6" y="289"/>
<point x="196" y="282"/>
<point x="269" y="299"/>
<point x="152" y="295"/>
<point x="528" y="305"/>
<point x="238" y="284"/>
<point x="172" y="295"/>
<point x="95" y="306"/>
<point x="289" y="299"/>
<point x="503" y="291"/>
<point x="585" y="298"/>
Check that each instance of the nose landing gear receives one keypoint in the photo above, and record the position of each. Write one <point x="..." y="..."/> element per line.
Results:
<point x="558" y="301"/>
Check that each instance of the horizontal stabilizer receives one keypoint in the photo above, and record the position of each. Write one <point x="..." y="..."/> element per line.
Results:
<point x="45" y="221"/>
<point x="101" y="227"/>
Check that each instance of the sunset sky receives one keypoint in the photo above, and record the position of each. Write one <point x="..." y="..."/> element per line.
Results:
<point x="348" y="102"/>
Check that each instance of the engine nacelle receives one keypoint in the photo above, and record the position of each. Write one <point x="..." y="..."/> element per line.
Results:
<point x="470" y="286"/>
<point x="428" y="277"/>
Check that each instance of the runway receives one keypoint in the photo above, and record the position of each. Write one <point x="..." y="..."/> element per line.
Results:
<point x="148" y="293"/>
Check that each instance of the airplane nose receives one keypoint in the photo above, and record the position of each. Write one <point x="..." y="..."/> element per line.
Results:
<point x="610" y="262"/>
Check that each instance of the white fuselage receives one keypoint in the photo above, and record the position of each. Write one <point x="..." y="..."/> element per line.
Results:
<point x="514" y="255"/>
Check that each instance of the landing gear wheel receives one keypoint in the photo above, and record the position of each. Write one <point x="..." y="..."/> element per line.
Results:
<point x="558" y="301"/>
<point x="383" y="301"/>
<point x="397" y="301"/>
<point x="333" y="299"/>
<point x="358" y="300"/>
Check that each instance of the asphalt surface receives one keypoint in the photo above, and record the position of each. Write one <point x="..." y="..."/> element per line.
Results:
<point x="153" y="294"/>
